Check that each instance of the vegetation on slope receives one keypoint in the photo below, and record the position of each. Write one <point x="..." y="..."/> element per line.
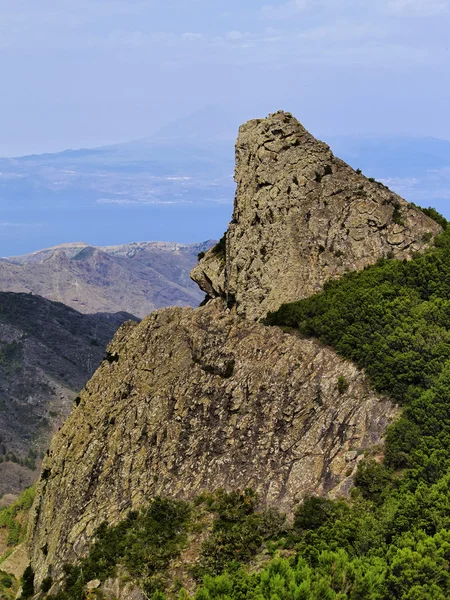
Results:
<point x="9" y="586"/>
<point x="393" y="539"/>
<point x="13" y="528"/>
<point x="142" y="547"/>
<point x="13" y="519"/>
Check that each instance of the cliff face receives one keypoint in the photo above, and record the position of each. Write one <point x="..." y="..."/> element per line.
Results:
<point x="302" y="216"/>
<point x="193" y="400"/>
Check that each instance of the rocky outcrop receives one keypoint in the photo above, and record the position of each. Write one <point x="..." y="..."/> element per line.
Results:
<point x="193" y="400"/>
<point x="302" y="216"/>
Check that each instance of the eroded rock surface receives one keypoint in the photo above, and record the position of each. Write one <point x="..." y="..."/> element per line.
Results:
<point x="301" y="217"/>
<point x="193" y="400"/>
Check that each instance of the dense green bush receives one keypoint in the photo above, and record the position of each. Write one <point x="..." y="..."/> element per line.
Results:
<point x="433" y="214"/>
<point x="393" y="539"/>
<point x="8" y="586"/>
<point x="342" y="384"/>
<point x="373" y="480"/>
<point x="144" y="543"/>
<point x="238" y="531"/>
<point x="314" y="513"/>
<point x="28" y="583"/>
<point x="11" y="517"/>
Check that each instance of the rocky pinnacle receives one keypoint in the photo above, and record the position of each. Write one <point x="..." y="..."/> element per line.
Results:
<point x="302" y="216"/>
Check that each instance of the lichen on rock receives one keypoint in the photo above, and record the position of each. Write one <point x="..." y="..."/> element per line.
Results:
<point x="302" y="216"/>
<point x="171" y="417"/>
<point x="194" y="400"/>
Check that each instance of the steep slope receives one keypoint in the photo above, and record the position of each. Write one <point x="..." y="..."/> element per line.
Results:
<point x="196" y="400"/>
<point x="47" y="353"/>
<point x="192" y="400"/>
<point x="136" y="278"/>
<point x="301" y="217"/>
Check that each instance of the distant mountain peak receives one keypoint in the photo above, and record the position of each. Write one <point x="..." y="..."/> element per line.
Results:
<point x="210" y="123"/>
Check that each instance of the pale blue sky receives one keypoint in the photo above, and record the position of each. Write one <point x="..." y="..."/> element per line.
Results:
<point x="88" y="72"/>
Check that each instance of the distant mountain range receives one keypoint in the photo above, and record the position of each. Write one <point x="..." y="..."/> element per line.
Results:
<point x="48" y="352"/>
<point x="137" y="278"/>
<point x="177" y="184"/>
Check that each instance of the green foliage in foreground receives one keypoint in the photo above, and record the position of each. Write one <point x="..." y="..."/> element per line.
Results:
<point x="8" y="586"/>
<point x="142" y="546"/>
<point x="14" y="518"/>
<point x="238" y="532"/>
<point x="393" y="540"/>
<point x="144" y="543"/>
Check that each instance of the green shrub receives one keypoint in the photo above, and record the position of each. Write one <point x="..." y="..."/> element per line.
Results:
<point x="144" y="543"/>
<point x="342" y="384"/>
<point x="397" y="217"/>
<point x="238" y="531"/>
<point x="436" y="216"/>
<point x="313" y="513"/>
<point x="28" y="583"/>
<point x="373" y="480"/>
<point x="220" y="249"/>
<point x="46" y="584"/>
<point x="11" y="517"/>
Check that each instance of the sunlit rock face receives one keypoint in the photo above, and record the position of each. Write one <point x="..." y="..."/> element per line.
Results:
<point x="302" y="216"/>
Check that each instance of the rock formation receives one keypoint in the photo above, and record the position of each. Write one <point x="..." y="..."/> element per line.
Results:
<point x="302" y="216"/>
<point x="192" y="400"/>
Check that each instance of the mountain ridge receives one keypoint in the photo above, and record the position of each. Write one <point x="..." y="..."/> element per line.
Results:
<point x="242" y="404"/>
<point x="48" y="351"/>
<point x="135" y="278"/>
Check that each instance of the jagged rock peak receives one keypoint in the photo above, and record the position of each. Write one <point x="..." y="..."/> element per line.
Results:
<point x="195" y="400"/>
<point x="302" y="216"/>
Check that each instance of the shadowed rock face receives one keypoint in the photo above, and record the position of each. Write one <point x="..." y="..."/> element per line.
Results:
<point x="193" y="400"/>
<point x="302" y="216"/>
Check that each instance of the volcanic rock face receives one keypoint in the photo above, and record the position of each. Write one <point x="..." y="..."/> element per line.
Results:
<point x="193" y="400"/>
<point x="301" y="217"/>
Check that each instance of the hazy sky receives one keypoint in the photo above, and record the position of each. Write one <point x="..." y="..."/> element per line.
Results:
<point x="87" y="72"/>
